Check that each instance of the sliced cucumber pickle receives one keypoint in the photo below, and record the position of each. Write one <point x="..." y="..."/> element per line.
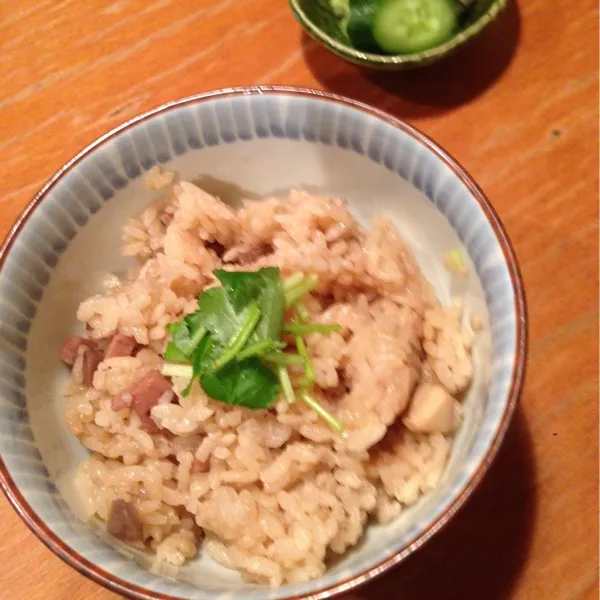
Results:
<point x="407" y="26"/>
<point x="360" y="25"/>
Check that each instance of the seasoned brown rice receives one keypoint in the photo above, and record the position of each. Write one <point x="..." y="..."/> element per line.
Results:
<point x="276" y="492"/>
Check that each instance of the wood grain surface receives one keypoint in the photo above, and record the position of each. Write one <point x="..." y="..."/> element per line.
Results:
<point x="518" y="108"/>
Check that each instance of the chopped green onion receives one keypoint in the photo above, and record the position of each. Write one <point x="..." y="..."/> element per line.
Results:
<point x="282" y="358"/>
<point x="177" y="370"/>
<point x="259" y="349"/>
<point x="240" y="338"/>
<point x="302" y="311"/>
<point x="308" y="370"/>
<point x="293" y="294"/>
<point x="286" y="384"/>
<point x="292" y="281"/>
<point x="324" y="414"/>
<point x="195" y="340"/>
<point x="306" y="328"/>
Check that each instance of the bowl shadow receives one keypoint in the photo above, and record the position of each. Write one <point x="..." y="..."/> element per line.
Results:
<point x="428" y="90"/>
<point x="481" y="552"/>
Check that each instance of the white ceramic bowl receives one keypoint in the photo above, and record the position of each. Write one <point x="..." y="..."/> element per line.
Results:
<point x="253" y="141"/>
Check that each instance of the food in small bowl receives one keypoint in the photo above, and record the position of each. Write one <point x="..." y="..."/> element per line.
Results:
<point x="264" y="381"/>
<point x="394" y="33"/>
<point x="262" y="377"/>
<point x="399" y="26"/>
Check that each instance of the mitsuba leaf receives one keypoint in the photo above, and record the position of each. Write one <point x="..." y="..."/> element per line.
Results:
<point x="242" y="287"/>
<point x="263" y="288"/>
<point x="202" y="359"/>
<point x="204" y="355"/>
<point x="173" y="353"/>
<point x="217" y="315"/>
<point x="222" y="313"/>
<point x="184" y="333"/>
<point x="246" y="383"/>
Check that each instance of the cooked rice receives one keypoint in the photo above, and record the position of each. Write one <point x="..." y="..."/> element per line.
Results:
<point x="276" y="492"/>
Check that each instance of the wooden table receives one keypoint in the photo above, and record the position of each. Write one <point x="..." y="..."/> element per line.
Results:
<point x="519" y="109"/>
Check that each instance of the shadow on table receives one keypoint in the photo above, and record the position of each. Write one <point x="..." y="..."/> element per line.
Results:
<point x="429" y="90"/>
<point x="482" y="550"/>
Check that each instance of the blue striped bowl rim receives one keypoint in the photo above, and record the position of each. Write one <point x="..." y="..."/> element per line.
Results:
<point x="459" y="495"/>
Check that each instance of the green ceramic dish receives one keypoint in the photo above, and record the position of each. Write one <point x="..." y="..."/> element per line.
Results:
<point x="318" y="20"/>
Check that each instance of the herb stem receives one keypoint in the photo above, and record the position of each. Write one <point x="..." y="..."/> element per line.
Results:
<point x="240" y="338"/>
<point x="302" y="311"/>
<point x="303" y="382"/>
<point x="195" y="340"/>
<point x="282" y="358"/>
<point x="177" y="370"/>
<point x="286" y="384"/>
<point x="308" y="370"/>
<point x="306" y="328"/>
<point x="295" y="293"/>
<point x="322" y="412"/>
<point x="256" y="349"/>
<point x="292" y="281"/>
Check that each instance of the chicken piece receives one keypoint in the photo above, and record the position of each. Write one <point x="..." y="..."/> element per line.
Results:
<point x="432" y="410"/>
<point x="92" y="357"/>
<point x="381" y="365"/>
<point x="124" y="522"/>
<point x="120" y="345"/>
<point x="142" y="396"/>
<point x="68" y="350"/>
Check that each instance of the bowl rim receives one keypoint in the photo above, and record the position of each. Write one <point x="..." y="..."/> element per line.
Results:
<point x="130" y="590"/>
<point x="385" y="60"/>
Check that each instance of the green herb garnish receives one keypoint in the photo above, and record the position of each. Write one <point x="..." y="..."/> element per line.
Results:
<point x="247" y="383"/>
<point x="174" y="353"/>
<point x="284" y="358"/>
<point x="240" y="338"/>
<point x="286" y="384"/>
<point x="308" y="370"/>
<point x="320" y="410"/>
<point x="262" y="348"/>
<point x="295" y="293"/>
<point x="292" y="281"/>
<point x="262" y="287"/>
<point x="186" y="336"/>
<point x="302" y="311"/>
<point x="306" y="328"/>
<point x="177" y="370"/>
<point x="232" y="344"/>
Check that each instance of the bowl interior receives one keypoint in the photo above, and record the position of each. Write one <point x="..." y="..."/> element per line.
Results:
<point x="320" y="21"/>
<point x="237" y="145"/>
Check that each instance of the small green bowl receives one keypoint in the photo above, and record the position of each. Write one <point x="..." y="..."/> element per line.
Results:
<point x="319" y="21"/>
